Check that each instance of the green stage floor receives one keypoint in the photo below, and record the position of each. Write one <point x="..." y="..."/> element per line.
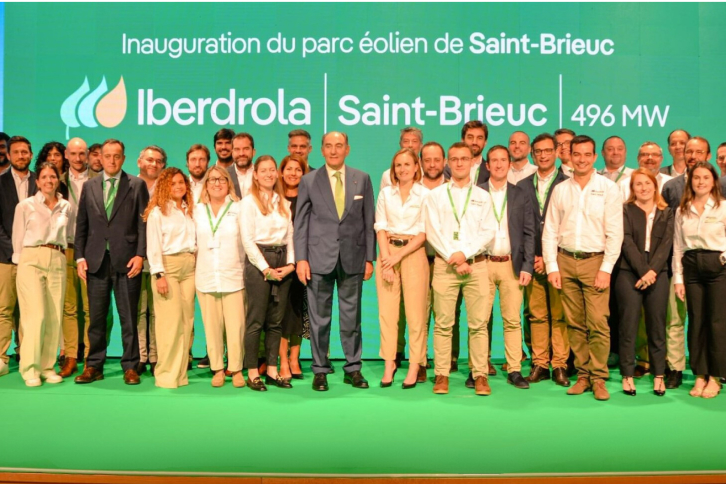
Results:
<point x="109" y="427"/>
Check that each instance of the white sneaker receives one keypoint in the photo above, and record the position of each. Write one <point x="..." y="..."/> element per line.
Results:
<point x="4" y="369"/>
<point x="52" y="377"/>
<point x="33" y="382"/>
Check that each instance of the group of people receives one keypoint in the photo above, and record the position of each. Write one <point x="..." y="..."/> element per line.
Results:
<point x="605" y="264"/>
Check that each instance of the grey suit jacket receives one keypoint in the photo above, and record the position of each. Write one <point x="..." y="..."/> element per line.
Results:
<point x="124" y="230"/>
<point x="8" y="202"/>
<point x="520" y="222"/>
<point x="539" y="218"/>
<point x="673" y="190"/>
<point x="235" y="182"/>
<point x="321" y="237"/>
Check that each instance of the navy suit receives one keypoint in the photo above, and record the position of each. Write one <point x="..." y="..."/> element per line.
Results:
<point x="337" y="250"/>
<point x="8" y="201"/>
<point x="125" y="233"/>
<point x="527" y="185"/>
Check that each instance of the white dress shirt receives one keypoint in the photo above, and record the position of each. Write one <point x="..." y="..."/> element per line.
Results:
<point x="542" y="185"/>
<point x="333" y="180"/>
<point x="244" y="180"/>
<point x="35" y="224"/>
<point x="21" y="184"/>
<point x="107" y="185"/>
<point x="649" y="227"/>
<point x="515" y="176"/>
<point x="500" y="244"/>
<point x="173" y="233"/>
<point x="624" y="184"/>
<point x="196" y="188"/>
<point x="220" y="255"/>
<point x="617" y="175"/>
<point x="567" y="170"/>
<point x="477" y="227"/>
<point x="401" y="218"/>
<point x="588" y="219"/>
<point x="706" y="231"/>
<point x="271" y="229"/>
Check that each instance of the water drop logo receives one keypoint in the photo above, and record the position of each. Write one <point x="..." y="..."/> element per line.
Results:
<point x="91" y="108"/>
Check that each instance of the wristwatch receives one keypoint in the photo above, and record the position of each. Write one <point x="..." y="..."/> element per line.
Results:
<point x="722" y="258"/>
<point x="159" y="275"/>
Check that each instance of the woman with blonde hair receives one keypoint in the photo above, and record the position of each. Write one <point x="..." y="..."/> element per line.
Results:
<point x="642" y="283"/>
<point x="267" y="240"/>
<point x="219" y="278"/>
<point x="295" y="323"/>
<point x="170" y="247"/>
<point x="699" y="260"/>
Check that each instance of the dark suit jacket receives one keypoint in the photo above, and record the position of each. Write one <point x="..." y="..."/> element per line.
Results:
<point x="124" y="231"/>
<point x="539" y="218"/>
<point x="673" y="190"/>
<point x="8" y="201"/>
<point x="320" y="237"/>
<point x="520" y="222"/>
<point x="233" y="174"/>
<point x="483" y="173"/>
<point x="633" y="257"/>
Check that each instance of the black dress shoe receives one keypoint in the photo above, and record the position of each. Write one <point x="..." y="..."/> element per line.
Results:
<point x="356" y="379"/>
<point x="297" y="376"/>
<point x="279" y="382"/>
<point x="537" y="374"/>
<point x="515" y="378"/>
<point x="320" y="382"/>
<point x="153" y="367"/>
<point x="256" y="385"/>
<point x="674" y="379"/>
<point x="141" y="368"/>
<point x="469" y="381"/>
<point x="559" y="375"/>
<point x="203" y="363"/>
<point x="332" y="368"/>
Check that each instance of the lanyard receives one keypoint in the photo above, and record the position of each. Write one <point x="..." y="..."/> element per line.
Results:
<point x="622" y="170"/>
<point x="219" y="220"/>
<point x="71" y="191"/>
<point x="453" y="207"/>
<point x="547" y="191"/>
<point x="499" y="215"/>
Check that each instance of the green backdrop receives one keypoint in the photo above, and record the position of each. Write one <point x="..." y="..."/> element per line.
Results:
<point x="632" y="69"/>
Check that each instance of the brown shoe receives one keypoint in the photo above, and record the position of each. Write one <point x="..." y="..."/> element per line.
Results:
<point x="598" y="388"/>
<point x="441" y="384"/>
<point x="90" y="374"/>
<point x="421" y="377"/>
<point x="70" y="366"/>
<point x="640" y="371"/>
<point x="238" y="380"/>
<point x="505" y="367"/>
<point x="131" y="377"/>
<point x="581" y="386"/>
<point x="481" y="386"/>
<point x="454" y="365"/>
<point x="218" y="379"/>
<point x="492" y="370"/>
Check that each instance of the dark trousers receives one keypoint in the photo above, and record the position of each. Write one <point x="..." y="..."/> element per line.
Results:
<point x="631" y="301"/>
<point x="614" y="319"/>
<point x="126" y="293"/>
<point x="705" y="281"/>
<point x="320" y="308"/>
<point x="266" y="304"/>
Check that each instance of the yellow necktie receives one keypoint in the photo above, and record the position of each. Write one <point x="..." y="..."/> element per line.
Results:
<point x="338" y="194"/>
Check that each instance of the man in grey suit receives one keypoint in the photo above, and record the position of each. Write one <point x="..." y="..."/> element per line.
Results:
<point x="110" y="250"/>
<point x="335" y="244"/>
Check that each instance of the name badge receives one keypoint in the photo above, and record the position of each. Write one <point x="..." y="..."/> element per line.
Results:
<point x="711" y="220"/>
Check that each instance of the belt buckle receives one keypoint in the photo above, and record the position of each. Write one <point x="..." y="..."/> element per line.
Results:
<point x="578" y="255"/>
<point x="470" y="261"/>
<point x="396" y="242"/>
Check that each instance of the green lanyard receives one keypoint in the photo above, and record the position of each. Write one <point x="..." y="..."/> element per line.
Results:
<point x="499" y="215"/>
<point x="547" y="191"/>
<point x="219" y="220"/>
<point x="71" y="191"/>
<point x="453" y="207"/>
<point x="622" y="170"/>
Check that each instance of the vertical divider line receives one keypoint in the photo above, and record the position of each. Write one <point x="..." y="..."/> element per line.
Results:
<point x="325" y="103"/>
<point x="560" y="100"/>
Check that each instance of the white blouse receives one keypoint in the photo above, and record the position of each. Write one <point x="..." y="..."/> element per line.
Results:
<point x="169" y="234"/>
<point x="401" y="218"/>
<point x="706" y="231"/>
<point x="270" y="229"/>
<point x="35" y="224"/>
<point x="219" y="254"/>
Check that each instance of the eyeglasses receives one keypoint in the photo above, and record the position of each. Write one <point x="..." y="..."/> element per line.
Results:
<point x="546" y="151"/>
<point x="465" y="159"/>
<point x="651" y="155"/>
<point x="564" y="143"/>
<point x="217" y="181"/>
<point x="695" y="152"/>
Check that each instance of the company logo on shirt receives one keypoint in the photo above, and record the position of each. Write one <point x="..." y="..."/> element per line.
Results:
<point x="92" y="108"/>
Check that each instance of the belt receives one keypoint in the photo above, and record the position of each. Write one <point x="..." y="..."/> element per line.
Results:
<point x="473" y="260"/>
<point x="499" y="258"/>
<point x="398" y="242"/>
<point x="71" y="246"/>
<point x="578" y="255"/>
<point x="56" y="247"/>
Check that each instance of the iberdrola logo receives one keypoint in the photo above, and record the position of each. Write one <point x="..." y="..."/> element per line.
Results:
<point x="101" y="106"/>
